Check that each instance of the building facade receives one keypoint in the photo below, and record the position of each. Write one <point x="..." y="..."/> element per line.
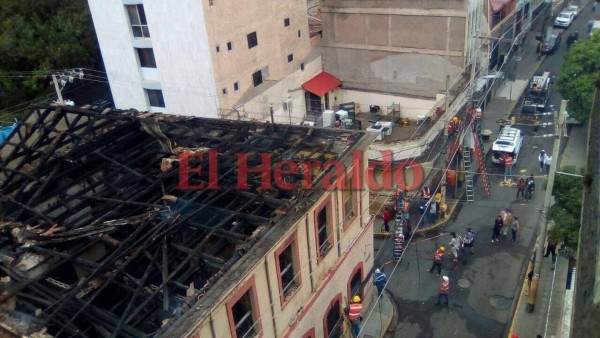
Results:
<point x="202" y="58"/>
<point x="403" y="47"/>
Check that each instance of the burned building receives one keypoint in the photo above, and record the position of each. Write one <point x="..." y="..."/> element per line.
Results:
<point x="127" y="224"/>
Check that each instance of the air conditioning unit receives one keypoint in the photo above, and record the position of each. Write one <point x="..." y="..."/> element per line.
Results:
<point x="308" y="123"/>
<point x="287" y="105"/>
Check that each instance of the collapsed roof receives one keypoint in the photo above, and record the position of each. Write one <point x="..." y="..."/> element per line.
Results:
<point x="96" y="237"/>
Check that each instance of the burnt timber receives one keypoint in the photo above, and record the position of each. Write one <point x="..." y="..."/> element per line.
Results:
<point x="98" y="240"/>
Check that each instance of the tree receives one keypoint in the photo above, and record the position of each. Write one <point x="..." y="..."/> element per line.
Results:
<point x="36" y="37"/>
<point x="577" y="76"/>
<point x="566" y="212"/>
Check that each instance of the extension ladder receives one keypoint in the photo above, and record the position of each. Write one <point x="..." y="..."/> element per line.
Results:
<point x="479" y="154"/>
<point x="468" y="174"/>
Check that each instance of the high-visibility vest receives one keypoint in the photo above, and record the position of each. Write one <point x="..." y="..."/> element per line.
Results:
<point x="444" y="287"/>
<point x="355" y="310"/>
<point x="379" y="279"/>
<point x="438" y="255"/>
<point x="508" y="161"/>
<point x="451" y="127"/>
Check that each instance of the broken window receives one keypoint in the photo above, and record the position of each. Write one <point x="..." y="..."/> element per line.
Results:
<point x="349" y="195"/>
<point x="243" y="317"/>
<point x="287" y="270"/>
<point x="323" y="231"/>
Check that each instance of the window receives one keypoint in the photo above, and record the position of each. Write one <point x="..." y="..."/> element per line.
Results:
<point x="137" y="19"/>
<point x="355" y="283"/>
<point x="287" y="268"/>
<point x="210" y="2"/>
<point x="349" y="198"/>
<point x="324" y="229"/>
<point x="236" y="86"/>
<point x="218" y="48"/>
<point x="229" y="46"/>
<point x="243" y="316"/>
<point x="155" y="97"/>
<point x="146" y="56"/>
<point x="257" y="78"/>
<point x="302" y="66"/>
<point x="252" y="40"/>
<point x="333" y="321"/>
<point x="224" y="91"/>
<point x="290" y="57"/>
<point x="299" y="33"/>
<point x="286" y="22"/>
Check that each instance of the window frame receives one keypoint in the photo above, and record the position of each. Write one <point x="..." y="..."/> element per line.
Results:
<point x="142" y="23"/>
<point x="254" y="79"/>
<point x="249" y="286"/>
<point x="326" y="204"/>
<point x="357" y="268"/>
<point x="162" y="97"/>
<point x="252" y="39"/>
<point x="336" y="299"/>
<point x="292" y="244"/>
<point x="354" y="196"/>
<point x="146" y="57"/>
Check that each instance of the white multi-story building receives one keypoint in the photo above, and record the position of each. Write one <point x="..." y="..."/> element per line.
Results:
<point x="205" y="58"/>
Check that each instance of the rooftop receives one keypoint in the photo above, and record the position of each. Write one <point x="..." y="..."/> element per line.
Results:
<point x="98" y="239"/>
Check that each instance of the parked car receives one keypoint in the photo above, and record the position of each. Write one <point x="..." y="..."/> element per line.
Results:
<point x="573" y="9"/>
<point x="552" y="42"/>
<point x="564" y="19"/>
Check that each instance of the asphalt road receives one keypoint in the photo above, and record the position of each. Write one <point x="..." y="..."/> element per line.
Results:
<point x="489" y="279"/>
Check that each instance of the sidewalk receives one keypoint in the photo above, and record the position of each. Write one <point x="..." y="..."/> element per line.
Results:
<point x="381" y="315"/>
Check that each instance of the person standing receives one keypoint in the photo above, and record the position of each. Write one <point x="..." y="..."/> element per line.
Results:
<point x="438" y="255"/>
<point x="551" y="249"/>
<point x="469" y="241"/>
<point x="454" y="246"/>
<point x="387" y="217"/>
<point x="444" y="290"/>
<point x="354" y="310"/>
<point x="521" y="186"/>
<point x="542" y="159"/>
<point x="548" y="163"/>
<point x="508" y="165"/>
<point x="433" y="210"/>
<point x="498" y="224"/>
<point x="379" y="279"/>
<point x="514" y="227"/>
<point x="530" y="187"/>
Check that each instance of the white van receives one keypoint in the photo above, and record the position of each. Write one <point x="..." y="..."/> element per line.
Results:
<point x="510" y="140"/>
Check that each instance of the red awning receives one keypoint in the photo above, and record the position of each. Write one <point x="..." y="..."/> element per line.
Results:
<point x="322" y="83"/>
<point x="498" y="4"/>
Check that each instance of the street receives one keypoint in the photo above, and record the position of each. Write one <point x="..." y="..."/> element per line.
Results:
<point x="484" y="285"/>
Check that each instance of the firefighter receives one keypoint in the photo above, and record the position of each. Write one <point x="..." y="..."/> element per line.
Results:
<point x="477" y="120"/>
<point x="452" y="127"/>
<point x="437" y="260"/>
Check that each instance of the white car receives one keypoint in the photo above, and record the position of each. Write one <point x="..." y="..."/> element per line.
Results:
<point x="573" y="9"/>
<point x="564" y="19"/>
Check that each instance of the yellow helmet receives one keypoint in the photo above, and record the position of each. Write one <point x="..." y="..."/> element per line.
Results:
<point x="356" y="299"/>
<point x="442" y="248"/>
<point x="455" y="119"/>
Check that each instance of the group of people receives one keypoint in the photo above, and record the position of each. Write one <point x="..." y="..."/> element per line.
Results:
<point x="504" y="221"/>
<point x="545" y="162"/>
<point x="525" y="188"/>
<point x="354" y="309"/>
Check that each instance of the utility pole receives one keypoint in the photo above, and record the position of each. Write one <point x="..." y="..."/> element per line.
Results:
<point x="539" y="250"/>
<point x="57" y="88"/>
<point x="587" y="285"/>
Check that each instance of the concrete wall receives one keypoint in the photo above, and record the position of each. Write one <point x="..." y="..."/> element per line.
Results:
<point x="231" y="21"/>
<point x="409" y="107"/>
<point x="322" y="280"/>
<point x="402" y="47"/>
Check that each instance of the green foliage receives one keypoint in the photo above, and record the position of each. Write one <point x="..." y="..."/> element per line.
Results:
<point x="41" y="36"/>
<point x="566" y="212"/>
<point x="577" y="76"/>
